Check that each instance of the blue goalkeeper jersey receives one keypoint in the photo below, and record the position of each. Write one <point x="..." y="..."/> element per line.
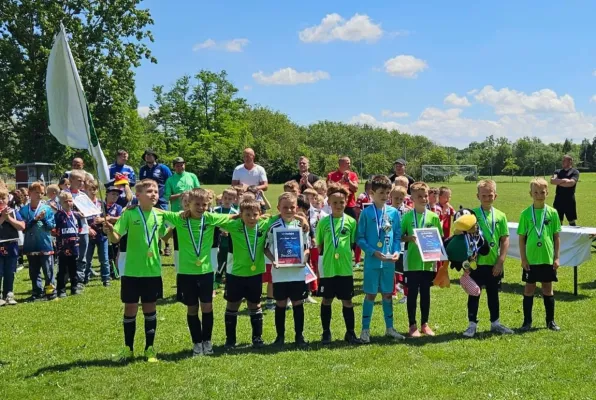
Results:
<point x="379" y="230"/>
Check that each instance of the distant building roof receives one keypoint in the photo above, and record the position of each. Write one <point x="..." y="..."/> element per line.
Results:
<point x="34" y="164"/>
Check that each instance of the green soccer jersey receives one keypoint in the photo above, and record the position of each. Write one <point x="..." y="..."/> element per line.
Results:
<point x="337" y="260"/>
<point x="248" y="245"/>
<point x="144" y="228"/>
<point x="539" y="249"/>
<point x="428" y="219"/>
<point x="180" y="183"/>
<point x="499" y="231"/>
<point x="189" y="263"/>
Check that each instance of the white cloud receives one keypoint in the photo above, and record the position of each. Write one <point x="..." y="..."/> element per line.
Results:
<point x="289" y="76"/>
<point x="507" y="101"/>
<point x="394" y="114"/>
<point x="402" y="32"/>
<point x="594" y="73"/>
<point x="335" y="27"/>
<point x="143" y="111"/>
<point x="405" y="66"/>
<point x="593" y="99"/>
<point x="231" y="46"/>
<point x="453" y="100"/>
<point x="551" y="121"/>
<point x="247" y="87"/>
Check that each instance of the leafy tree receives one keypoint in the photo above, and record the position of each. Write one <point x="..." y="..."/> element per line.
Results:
<point x="510" y="167"/>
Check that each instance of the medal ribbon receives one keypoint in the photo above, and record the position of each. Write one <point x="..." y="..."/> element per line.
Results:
<point x="252" y="250"/>
<point x="539" y="231"/>
<point x="379" y="221"/>
<point x="492" y="227"/>
<point x="71" y="220"/>
<point x="35" y="213"/>
<point x="195" y="245"/>
<point x="335" y="236"/>
<point x="148" y="237"/>
<point x="416" y="219"/>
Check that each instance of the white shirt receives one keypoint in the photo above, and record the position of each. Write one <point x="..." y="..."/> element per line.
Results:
<point x="251" y="177"/>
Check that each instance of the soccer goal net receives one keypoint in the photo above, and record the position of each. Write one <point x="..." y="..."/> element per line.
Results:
<point x="449" y="173"/>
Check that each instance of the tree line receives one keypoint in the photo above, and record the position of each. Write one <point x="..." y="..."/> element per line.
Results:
<point x="201" y="117"/>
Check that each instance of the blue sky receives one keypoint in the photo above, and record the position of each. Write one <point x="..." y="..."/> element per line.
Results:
<point x="454" y="72"/>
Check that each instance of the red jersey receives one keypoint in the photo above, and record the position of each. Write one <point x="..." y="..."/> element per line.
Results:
<point x="408" y="202"/>
<point x="338" y="177"/>
<point x="446" y="217"/>
<point x="363" y="199"/>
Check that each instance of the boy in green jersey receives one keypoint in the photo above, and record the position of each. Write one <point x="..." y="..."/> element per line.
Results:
<point x="419" y="275"/>
<point x="493" y="225"/>
<point x="539" y="244"/>
<point x="141" y="275"/>
<point x="194" y="280"/>
<point x="335" y="238"/>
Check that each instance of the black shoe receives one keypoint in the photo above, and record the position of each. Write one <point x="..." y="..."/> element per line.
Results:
<point x="34" y="298"/>
<point x="552" y="325"/>
<point x="301" y="343"/>
<point x="279" y="341"/>
<point x="351" y="338"/>
<point x="526" y="327"/>
<point x="326" y="339"/>
<point x="230" y="344"/>
<point x="51" y="297"/>
<point x="257" y="342"/>
<point x="75" y="291"/>
<point x="107" y="284"/>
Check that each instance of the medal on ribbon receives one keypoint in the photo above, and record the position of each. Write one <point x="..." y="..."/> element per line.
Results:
<point x="492" y="226"/>
<point x="252" y="249"/>
<point x="540" y="229"/>
<point x="195" y="245"/>
<point x="334" y="235"/>
<point x="149" y="236"/>
<point x="416" y="219"/>
<point x="379" y="222"/>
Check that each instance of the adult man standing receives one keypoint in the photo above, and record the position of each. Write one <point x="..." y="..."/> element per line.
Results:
<point x="249" y="173"/>
<point x="399" y="169"/>
<point x="78" y="164"/>
<point x="349" y="180"/>
<point x="305" y="178"/>
<point x="157" y="172"/>
<point x="179" y="183"/>
<point x="120" y="167"/>
<point x="566" y="180"/>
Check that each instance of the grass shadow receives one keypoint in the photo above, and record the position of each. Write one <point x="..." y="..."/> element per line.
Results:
<point x="588" y="285"/>
<point x="518" y="288"/>
<point x="77" y="364"/>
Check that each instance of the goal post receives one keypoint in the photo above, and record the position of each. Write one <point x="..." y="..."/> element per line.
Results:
<point x="450" y="173"/>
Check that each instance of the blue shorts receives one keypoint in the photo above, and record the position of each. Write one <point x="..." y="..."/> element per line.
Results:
<point x="378" y="280"/>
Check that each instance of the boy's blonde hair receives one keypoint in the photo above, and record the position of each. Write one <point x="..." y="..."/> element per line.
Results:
<point x="433" y="190"/>
<point x="78" y="173"/>
<point x="144" y="185"/>
<point x="53" y="188"/>
<point x="287" y="196"/>
<point x="248" y="196"/>
<point x="92" y="184"/>
<point x="3" y="192"/>
<point x="250" y="205"/>
<point x="398" y="189"/>
<point x="319" y="198"/>
<point x="291" y="186"/>
<point x="487" y="184"/>
<point x="418" y="187"/>
<point x="230" y="192"/>
<point x="64" y="196"/>
<point x="35" y="186"/>
<point x="198" y="194"/>
<point x="401" y="181"/>
<point x="320" y="185"/>
<point x="334" y="188"/>
<point x="540" y="182"/>
<point x="445" y="189"/>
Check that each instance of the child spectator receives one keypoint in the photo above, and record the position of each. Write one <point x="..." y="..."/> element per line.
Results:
<point x="64" y="184"/>
<point x="447" y="211"/>
<point x="52" y="192"/>
<point x="398" y="194"/>
<point x="11" y="223"/>
<point x="228" y="199"/>
<point x="97" y="238"/>
<point x="292" y="187"/>
<point x="68" y="226"/>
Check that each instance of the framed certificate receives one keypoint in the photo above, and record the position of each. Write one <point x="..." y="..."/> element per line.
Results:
<point x="86" y="206"/>
<point x="430" y="244"/>
<point x="288" y="247"/>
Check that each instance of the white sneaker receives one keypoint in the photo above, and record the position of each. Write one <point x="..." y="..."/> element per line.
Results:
<point x="365" y="335"/>
<point x="497" y="327"/>
<point x="197" y="350"/>
<point x="471" y="331"/>
<point x="10" y="300"/>
<point x="392" y="333"/>
<point x="310" y="300"/>
<point x="207" y="348"/>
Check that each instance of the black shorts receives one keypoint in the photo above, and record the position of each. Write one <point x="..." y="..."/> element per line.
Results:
<point x="351" y="211"/>
<point x="540" y="273"/>
<point x="419" y="278"/>
<point x="399" y="264"/>
<point x="194" y="288"/>
<point x="295" y="291"/>
<point x="483" y="276"/>
<point x="340" y="287"/>
<point x="243" y="287"/>
<point x="148" y="289"/>
<point x="566" y="208"/>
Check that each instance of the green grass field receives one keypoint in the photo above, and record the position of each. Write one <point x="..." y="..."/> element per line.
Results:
<point x="61" y="349"/>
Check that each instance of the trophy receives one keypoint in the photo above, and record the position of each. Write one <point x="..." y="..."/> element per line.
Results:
<point x="387" y="228"/>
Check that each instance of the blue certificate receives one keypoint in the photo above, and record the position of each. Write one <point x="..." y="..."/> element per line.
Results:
<point x="288" y="246"/>
<point x="430" y="244"/>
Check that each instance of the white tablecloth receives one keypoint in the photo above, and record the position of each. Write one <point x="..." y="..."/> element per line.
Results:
<point x="576" y="244"/>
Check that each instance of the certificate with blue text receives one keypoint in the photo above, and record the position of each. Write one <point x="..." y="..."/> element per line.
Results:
<point x="288" y="247"/>
<point x="430" y="244"/>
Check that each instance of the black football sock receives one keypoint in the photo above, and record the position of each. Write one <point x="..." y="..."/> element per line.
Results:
<point x="231" y="320"/>
<point x="348" y="313"/>
<point x="207" y="326"/>
<point x="280" y="321"/>
<point x="130" y="327"/>
<point x="256" y="321"/>
<point x="473" y="302"/>
<point x="326" y="317"/>
<point x="194" y="326"/>
<point x="150" y="327"/>
<point x="549" y="307"/>
<point x="528" y="304"/>
<point x="298" y="319"/>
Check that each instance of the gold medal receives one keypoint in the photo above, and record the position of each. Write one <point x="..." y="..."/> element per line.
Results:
<point x="337" y="256"/>
<point x="198" y="263"/>
<point x="379" y="244"/>
<point x="150" y="254"/>
<point x="253" y="268"/>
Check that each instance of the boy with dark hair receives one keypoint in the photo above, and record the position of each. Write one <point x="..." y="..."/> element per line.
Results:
<point x="141" y="273"/>
<point x="539" y="245"/>
<point x="11" y="222"/>
<point x="419" y="275"/>
<point x="335" y="237"/>
<point x="379" y="234"/>
<point x="228" y="199"/>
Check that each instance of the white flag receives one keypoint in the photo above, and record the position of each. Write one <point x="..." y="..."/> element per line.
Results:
<point x="69" y="117"/>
